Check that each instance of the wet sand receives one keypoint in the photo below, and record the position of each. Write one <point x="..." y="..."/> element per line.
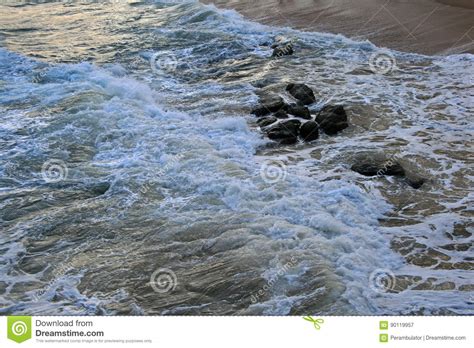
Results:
<point x="422" y="26"/>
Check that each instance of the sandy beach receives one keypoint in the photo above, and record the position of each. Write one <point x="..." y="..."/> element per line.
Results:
<point x="421" y="26"/>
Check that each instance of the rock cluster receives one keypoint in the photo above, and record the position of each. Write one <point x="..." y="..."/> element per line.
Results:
<point x="288" y="122"/>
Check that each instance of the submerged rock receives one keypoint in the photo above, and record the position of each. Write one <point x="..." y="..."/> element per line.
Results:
<point x="268" y="104"/>
<point x="309" y="131"/>
<point x="285" y="132"/>
<point x="376" y="165"/>
<point x="301" y="92"/>
<point x="332" y="119"/>
<point x="299" y="111"/>
<point x="100" y="188"/>
<point x="373" y="167"/>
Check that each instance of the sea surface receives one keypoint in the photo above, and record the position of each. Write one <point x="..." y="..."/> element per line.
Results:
<point x="134" y="180"/>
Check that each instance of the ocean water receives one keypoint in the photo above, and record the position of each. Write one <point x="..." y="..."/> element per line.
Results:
<point x="134" y="180"/>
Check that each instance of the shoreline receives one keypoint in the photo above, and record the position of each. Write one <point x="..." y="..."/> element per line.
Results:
<point x="431" y="27"/>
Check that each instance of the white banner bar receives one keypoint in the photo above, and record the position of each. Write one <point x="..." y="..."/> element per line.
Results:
<point x="236" y="331"/>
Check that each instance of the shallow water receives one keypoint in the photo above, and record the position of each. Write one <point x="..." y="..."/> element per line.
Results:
<point x="128" y="148"/>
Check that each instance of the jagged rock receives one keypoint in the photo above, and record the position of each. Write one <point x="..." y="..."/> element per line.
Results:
<point x="301" y="92"/>
<point x="268" y="104"/>
<point x="332" y="119"/>
<point x="309" y="131"/>
<point x="285" y="132"/>
<point x="299" y="111"/>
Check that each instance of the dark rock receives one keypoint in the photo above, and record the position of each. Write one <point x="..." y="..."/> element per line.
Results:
<point x="301" y="92"/>
<point x="373" y="167"/>
<point x="100" y="188"/>
<point x="284" y="50"/>
<point x="266" y="121"/>
<point x="332" y="119"/>
<point x="268" y="104"/>
<point x="260" y="111"/>
<point x="285" y="132"/>
<point x="415" y="182"/>
<point x="280" y="114"/>
<point x="309" y="131"/>
<point x="374" y="164"/>
<point x="299" y="111"/>
<point x="293" y="124"/>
